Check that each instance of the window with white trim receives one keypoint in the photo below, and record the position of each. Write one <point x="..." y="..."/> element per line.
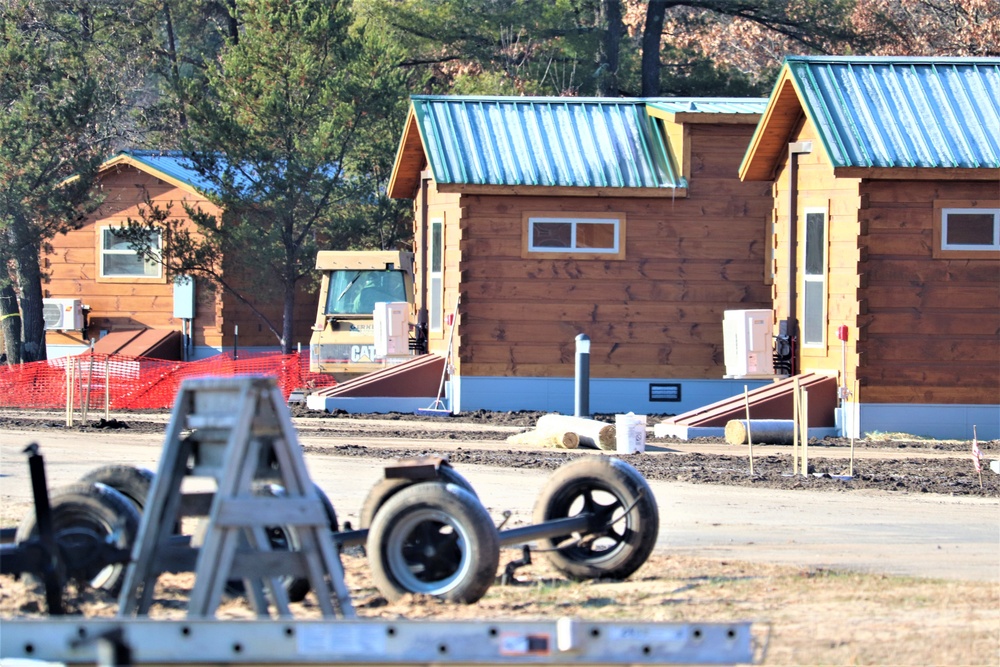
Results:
<point x="118" y="259"/>
<point x="814" y="278"/>
<point x="970" y="229"/>
<point x="575" y="234"/>
<point x="435" y="305"/>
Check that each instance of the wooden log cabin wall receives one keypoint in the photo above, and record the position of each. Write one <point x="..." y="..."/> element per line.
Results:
<point x="887" y="152"/>
<point x="75" y="264"/>
<point x="688" y="243"/>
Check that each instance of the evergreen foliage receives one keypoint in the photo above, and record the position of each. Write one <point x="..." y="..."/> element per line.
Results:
<point x="292" y="109"/>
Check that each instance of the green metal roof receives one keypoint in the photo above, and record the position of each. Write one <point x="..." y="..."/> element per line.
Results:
<point x="903" y="112"/>
<point x="171" y="164"/>
<point x="710" y="105"/>
<point x="544" y="141"/>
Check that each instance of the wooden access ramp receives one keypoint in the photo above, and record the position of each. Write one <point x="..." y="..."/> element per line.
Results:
<point x="419" y="376"/>
<point x="774" y="401"/>
<point x="402" y="387"/>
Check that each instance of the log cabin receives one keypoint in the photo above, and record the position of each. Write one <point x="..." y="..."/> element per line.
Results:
<point x="544" y="225"/>
<point x="885" y="259"/>
<point x="107" y="294"/>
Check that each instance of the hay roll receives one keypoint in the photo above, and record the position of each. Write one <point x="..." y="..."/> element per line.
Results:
<point x="592" y="433"/>
<point x="763" y="431"/>
<point x="536" y="438"/>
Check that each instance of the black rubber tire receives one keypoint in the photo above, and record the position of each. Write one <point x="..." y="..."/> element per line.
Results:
<point x="297" y="588"/>
<point x="607" y="487"/>
<point x="386" y="488"/>
<point x="285" y="538"/>
<point x="83" y="514"/>
<point x="434" y="539"/>
<point x="133" y="483"/>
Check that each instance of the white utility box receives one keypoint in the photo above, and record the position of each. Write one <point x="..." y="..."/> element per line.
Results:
<point x="747" y="338"/>
<point x="62" y="314"/>
<point x="392" y="329"/>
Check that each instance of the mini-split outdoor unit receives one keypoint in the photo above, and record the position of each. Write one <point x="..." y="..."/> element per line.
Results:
<point x="391" y="322"/>
<point x="747" y="343"/>
<point x="62" y="314"/>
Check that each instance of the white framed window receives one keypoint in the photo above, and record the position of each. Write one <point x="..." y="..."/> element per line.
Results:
<point x="970" y="229"/>
<point x="435" y="305"/>
<point x="600" y="236"/>
<point x="814" y="278"/>
<point x="119" y="260"/>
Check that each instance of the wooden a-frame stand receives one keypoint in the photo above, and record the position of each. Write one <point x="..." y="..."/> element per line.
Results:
<point x="235" y="431"/>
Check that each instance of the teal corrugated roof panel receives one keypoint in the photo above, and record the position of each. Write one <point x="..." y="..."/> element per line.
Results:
<point x="709" y="105"/>
<point x="537" y="141"/>
<point x="903" y="112"/>
<point x="172" y="164"/>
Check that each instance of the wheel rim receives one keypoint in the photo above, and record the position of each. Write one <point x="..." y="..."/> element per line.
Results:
<point x="612" y="524"/>
<point x="428" y="552"/>
<point x="83" y="529"/>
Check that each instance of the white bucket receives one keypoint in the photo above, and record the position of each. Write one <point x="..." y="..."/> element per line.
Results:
<point x="630" y="433"/>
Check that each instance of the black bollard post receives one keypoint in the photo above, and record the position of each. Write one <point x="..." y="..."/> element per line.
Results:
<point x="581" y="403"/>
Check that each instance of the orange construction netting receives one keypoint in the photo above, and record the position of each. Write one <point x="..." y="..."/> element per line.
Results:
<point x="117" y="382"/>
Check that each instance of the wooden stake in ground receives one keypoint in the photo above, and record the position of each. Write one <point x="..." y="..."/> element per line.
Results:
<point x="746" y="401"/>
<point x="804" y="414"/>
<point x="795" y="427"/>
<point x="107" y="389"/>
<point x="856" y="410"/>
<point x="977" y="456"/>
<point x="69" y="391"/>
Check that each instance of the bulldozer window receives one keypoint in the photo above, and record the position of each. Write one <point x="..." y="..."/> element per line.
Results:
<point x="357" y="292"/>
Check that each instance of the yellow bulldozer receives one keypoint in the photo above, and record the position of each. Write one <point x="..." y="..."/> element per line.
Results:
<point x="364" y="313"/>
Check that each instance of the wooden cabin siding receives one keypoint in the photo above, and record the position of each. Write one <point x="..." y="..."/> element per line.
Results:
<point x="72" y="266"/>
<point x="116" y="304"/>
<point x="252" y="331"/>
<point x="430" y="204"/>
<point x="657" y="312"/>
<point x="817" y="188"/>
<point x="930" y="326"/>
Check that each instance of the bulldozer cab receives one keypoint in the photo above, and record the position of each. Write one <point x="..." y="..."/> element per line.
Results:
<point x="356" y="292"/>
<point x="343" y="341"/>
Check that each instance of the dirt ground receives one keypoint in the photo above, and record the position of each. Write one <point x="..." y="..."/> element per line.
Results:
<point x="895" y="463"/>
<point x="801" y="615"/>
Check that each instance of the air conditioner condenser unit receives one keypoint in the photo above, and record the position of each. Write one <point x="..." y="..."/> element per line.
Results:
<point x="747" y="347"/>
<point x="62" y="314"/>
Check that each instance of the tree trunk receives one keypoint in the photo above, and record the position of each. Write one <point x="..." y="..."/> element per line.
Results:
<point x="29" y="277"/>
<point x="10" y="324"/>
<point x="652" y="34"/>
<point x="288" y="317"/>
<point x="175" y="74"/>
<point x="610" y="20"/>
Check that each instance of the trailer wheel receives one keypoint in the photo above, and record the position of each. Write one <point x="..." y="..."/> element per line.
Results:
<point x="133" y="483"/>
<point x="285" y="538"/>
<point x="434" y="539"/>
<point x="387" y="487"/>
<point x="85" y="516"/>
<point x="626" y="518"/>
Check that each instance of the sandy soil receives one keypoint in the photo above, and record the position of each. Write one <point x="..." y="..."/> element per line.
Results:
<point x="801" y="615"/>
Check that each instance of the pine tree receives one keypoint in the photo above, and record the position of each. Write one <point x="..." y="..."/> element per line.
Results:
<point x="276" y="132"/>
<point x="59" y="102"/>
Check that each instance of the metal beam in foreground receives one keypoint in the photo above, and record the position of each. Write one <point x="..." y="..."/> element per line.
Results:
<point x="375" y="642"/>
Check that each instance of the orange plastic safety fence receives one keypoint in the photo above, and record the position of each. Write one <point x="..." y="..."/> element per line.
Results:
<point x="135" y="383"/>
